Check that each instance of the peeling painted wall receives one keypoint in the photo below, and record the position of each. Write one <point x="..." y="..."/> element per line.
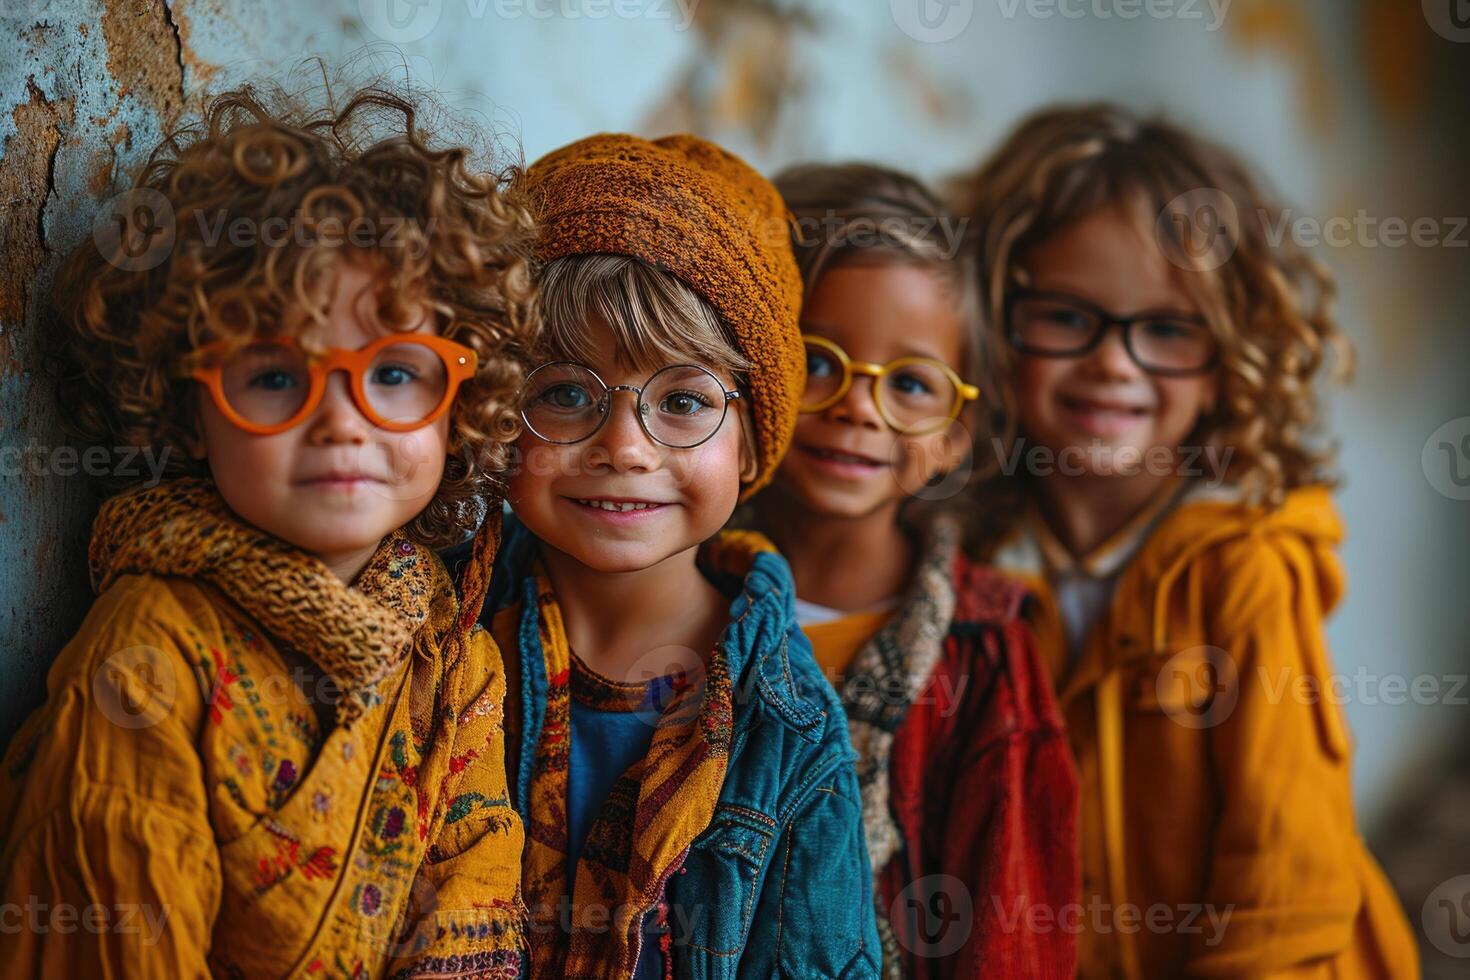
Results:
<point x="86" y="89"/>
<point x="84" y="92"/>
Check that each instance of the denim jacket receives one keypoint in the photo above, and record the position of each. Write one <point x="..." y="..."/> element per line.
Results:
<point x="779" y="884"/>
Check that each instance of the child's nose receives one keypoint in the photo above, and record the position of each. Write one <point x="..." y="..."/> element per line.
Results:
<point x="337" y="419"/>
<point x="858" y="406"/>
<point x="621" y="442"/>
<point x="1111" y="355"/>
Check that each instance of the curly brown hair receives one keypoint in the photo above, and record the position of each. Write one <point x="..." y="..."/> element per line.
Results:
<point x="1269" y="303"/>
<point x="364" y="182"/>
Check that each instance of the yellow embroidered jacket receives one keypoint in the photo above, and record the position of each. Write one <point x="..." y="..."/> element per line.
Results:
<point x="246" y="768"/>
<point x="1217" y="826"/>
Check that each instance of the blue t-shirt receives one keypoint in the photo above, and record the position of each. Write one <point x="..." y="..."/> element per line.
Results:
<point x="609" y="735"/>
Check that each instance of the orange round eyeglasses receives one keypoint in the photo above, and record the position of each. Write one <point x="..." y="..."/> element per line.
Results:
<point x="914" y="395"/>
<point x="399" y="382"/>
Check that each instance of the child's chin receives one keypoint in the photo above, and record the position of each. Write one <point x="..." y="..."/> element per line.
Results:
<point x="837" y="498"/>
<point x="611" y="560"/>
<point x="329" y="536"/>
<point x="1108" y="459"/>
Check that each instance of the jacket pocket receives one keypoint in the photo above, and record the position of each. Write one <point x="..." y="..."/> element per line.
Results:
<point x="729" y="861"/>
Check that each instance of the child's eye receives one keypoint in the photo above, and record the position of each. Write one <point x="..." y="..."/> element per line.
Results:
<point x="393" y="375"/>
<point x="819" y="366"/>
<point x="683" y="403"/>
<point x="1068" y="319"/>
<point x="910" y="384"/>
<point x="1168" y="330"/>
<point x="272" y="380"/>
<point x="566" y="396"/>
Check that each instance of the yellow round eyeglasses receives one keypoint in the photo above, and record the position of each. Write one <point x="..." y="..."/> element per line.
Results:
<point x="914" y="395"/>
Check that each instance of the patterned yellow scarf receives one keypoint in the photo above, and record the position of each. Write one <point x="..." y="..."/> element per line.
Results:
<point x="639" y="838"/>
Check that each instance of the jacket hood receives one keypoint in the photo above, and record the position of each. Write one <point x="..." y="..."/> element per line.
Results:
<point x="1209" y="519"/>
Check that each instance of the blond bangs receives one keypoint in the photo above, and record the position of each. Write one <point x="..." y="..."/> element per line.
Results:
<point x="655" y="319"/>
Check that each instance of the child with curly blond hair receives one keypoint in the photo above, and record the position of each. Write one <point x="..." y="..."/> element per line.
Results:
<point x="274" y="747"/>
<point x="1161" y="484"/>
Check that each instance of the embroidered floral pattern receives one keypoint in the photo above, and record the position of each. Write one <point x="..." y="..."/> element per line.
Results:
<point x="314" y="864"/>
<point x="219" y="696"/>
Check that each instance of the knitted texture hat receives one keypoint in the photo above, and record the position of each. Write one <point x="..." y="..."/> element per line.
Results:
<point x="696" y="211"/>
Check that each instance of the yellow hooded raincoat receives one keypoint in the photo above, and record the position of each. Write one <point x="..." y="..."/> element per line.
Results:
<point x="1217" y="826"/>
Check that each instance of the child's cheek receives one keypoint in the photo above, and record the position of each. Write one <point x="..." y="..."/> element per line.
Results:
<point x="922" y="458"/>
<point x="246" y="468"/>
<point x="1035" y="379"/>
<point x="536" y="464"/>
<point x="1183" y="403"/>
<point x="709" y="476"/>
<point x="416" y="459"/>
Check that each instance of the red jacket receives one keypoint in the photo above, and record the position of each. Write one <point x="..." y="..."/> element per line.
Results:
<point x="983" y="793"/>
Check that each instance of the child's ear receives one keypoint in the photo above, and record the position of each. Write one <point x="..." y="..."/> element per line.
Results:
<point x="750" y="466"/>
<point x="194" y="440"/>
<point x="1211" y="400"/>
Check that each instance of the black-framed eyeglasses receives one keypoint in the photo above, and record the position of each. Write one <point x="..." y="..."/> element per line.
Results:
<point x="1049" y="324"/>
<point x="680" y="406"/>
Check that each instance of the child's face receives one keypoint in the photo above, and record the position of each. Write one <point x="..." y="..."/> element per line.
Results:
<point x="845" y="460"/>
<point x="335" y="484"/>
<point x="690" y="493"/>
<point x="1103" y="400"/>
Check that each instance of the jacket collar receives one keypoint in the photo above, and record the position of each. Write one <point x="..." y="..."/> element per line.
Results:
<point x="1109" y="557"/>
<point x="744" y="565"/>
<point x="762" y="625"/>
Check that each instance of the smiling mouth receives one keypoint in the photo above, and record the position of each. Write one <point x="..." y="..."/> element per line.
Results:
<point x="339" y="480"/>
<point x="616" y="506"/>
<point x="1104" y="410"/>
<point x="848" y="459"/>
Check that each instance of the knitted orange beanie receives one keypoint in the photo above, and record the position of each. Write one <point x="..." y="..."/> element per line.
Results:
<point x="686" y="206"/>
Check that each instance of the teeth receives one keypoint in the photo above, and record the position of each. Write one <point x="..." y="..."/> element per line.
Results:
<point x="613" y="506"/>
<point x="1098" y="409"/>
